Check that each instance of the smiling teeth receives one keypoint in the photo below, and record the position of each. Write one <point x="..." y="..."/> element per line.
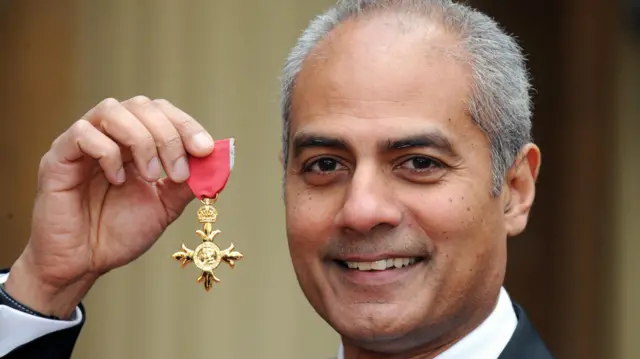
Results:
<point x="381" y="264"/>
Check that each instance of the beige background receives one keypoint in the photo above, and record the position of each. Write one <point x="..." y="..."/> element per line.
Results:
<point x="219" y="60"/>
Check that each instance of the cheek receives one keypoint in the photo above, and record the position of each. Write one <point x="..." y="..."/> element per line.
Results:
<point x="459" y="221"/>
<point x="309" y="224"/>
<point x="309" y="221"/>
<point x="465" y="237"/>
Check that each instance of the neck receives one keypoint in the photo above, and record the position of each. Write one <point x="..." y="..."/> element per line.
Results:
<point x="426" y="350"/>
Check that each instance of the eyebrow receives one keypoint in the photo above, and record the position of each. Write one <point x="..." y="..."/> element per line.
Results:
<point x="431" y="139"/>
<point x="306" y="140"/>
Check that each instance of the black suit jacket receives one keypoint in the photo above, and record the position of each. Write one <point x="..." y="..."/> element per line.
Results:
<point x="57" y="345"/>
<point x="524" y="344"/>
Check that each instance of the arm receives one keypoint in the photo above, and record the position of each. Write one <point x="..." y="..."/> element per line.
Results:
<point x="28" y="336"/>
<point x="101" y="202"/>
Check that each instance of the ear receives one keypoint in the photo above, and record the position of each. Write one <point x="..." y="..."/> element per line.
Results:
<point x="520" y="189"/>
<point x="281" y="159"/>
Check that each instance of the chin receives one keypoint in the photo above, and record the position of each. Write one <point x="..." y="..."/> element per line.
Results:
<point x="375" y="310"/>
<point x="378" y="327"/>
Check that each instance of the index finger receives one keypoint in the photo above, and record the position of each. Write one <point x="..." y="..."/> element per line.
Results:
<point x="197" y="141"/>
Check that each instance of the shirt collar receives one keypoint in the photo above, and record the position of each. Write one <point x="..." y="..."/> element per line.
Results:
<point x="488" y="340"/>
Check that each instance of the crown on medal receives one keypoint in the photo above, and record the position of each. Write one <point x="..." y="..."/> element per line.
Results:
<point x="207" y="214"/>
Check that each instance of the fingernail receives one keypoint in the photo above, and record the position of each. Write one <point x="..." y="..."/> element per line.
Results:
<point x="180" y="169"/>
<point x="120" y="176"/>
<point x="202" y="141"/>
<point x="154" y="167"/>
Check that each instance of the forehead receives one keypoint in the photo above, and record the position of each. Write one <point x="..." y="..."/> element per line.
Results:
<point x="376" y="69"/>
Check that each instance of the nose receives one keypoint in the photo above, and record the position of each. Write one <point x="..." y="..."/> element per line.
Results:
<point x="369" y="203"/>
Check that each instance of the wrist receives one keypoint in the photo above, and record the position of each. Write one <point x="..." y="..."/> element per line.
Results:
<point x="33" y="292"/>
<point x="8" y="300"/>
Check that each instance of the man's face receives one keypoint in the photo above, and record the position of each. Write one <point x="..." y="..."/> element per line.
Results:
<point x="393" y="232"/>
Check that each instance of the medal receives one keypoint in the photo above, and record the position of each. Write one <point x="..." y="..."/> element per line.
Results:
<point x="209" y="176"/>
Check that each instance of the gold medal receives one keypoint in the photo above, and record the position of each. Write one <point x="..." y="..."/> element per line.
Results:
<point x="207" y="256"/>
<point x="209" y="175"/>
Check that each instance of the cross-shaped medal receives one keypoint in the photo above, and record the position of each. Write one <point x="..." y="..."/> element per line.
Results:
<point x="207" y="256"/>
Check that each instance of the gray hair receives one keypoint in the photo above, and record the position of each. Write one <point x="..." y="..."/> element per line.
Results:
<point x="499" y="103"/>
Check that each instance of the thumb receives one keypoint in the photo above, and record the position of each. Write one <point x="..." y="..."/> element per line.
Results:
<point x="174" y="196"/>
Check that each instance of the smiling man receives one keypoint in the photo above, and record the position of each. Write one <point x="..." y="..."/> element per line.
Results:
<point x="408" y="163"/>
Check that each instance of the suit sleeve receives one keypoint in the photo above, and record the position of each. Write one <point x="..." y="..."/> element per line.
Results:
<point x="26" y="336"/>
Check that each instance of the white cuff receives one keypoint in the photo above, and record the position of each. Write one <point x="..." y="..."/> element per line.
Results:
<point x="18" y="328"/>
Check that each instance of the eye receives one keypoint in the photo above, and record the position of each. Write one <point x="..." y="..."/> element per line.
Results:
<point x="422" y="164"/>
<point x="324" y="165"/>
<point x="324" y="171"/>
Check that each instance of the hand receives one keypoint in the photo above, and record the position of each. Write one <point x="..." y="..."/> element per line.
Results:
<point x="100" y="203"/>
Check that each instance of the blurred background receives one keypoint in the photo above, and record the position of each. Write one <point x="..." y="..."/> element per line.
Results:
<point x="575" y="269"/>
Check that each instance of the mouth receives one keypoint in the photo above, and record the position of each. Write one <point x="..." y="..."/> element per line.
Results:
<point x="383" y="264"/>
<point x="365" y="272"/>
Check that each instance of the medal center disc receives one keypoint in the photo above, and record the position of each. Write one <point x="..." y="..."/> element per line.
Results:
<point x="207" y="256"/>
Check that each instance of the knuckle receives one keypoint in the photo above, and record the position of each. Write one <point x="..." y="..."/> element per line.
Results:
<point x="79" y="128"/>
<point x="187" y="126"/>
<point x="171" y="141"/>
<point x="144" y="108"/>
<point x="109" y="102"/>
<point x="56" y="142"/>
<point x="45" y="162"/>
<point x="144" y="141"/>
<point x="162" y="102"/>
<point x="111" y="152"/>
<point x="48" y="165"/>
<point x="140" y="100"/>
<point x="107" y="105"/>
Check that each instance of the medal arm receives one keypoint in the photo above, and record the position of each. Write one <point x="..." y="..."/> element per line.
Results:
<point x="230" y="256"/>
<point x="208" y="235"/>
<point x="207" y="278"/>
<point x="185" y="256"/>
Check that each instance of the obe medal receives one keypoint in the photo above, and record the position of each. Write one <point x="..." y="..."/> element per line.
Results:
<point x="209" y="176"/>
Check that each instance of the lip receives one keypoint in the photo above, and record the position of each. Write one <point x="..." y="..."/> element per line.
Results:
<point x="376" y="257"/>
<point x="377" y="277"/>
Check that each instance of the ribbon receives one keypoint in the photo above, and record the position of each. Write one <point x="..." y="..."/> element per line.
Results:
<point x="209" y="174"/>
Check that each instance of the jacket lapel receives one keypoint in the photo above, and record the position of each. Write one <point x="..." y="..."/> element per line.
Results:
<point x="525" y="342"/>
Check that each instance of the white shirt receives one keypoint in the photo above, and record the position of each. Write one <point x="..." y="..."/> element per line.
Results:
<point x="488" y="340"/>
<point x="18" y="328"/>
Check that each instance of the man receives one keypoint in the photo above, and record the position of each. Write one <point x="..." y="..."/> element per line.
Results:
<point x="408" y="163"/>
